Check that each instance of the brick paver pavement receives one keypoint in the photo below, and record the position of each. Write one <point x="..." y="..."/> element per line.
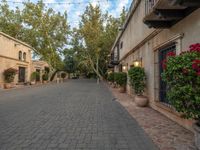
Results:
<point x="165" y="133"/>
<point x="75" y="115"/>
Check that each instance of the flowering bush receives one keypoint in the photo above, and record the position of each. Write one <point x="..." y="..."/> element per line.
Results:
<point x="9" y="74"/>
<point x="182" y="75"/>
<point x="121" y="78"/>
<point x="35" y="75"/>
<point x="63" y="75"/>
<point x="45" y="77"/>
<point x="111" y="77"/>
<point x="137" y="79"/>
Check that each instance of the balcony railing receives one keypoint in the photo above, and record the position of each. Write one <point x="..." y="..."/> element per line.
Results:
<point x="166" y="13"/>
<point x="149" y="4"/>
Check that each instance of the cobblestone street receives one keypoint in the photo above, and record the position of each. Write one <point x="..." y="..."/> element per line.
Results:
<point x="77" y="114"/>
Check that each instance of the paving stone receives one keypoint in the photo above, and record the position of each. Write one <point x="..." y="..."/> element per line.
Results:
<point x="78" y="114"/>
<point x="165" y="133"/>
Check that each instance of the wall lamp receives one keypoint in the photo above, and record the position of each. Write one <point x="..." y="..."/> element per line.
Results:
<point x="138" y="63"/>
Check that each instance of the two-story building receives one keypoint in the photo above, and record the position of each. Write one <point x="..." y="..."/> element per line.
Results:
<point x="152" y="29"/>
<point x="15" y="54"/>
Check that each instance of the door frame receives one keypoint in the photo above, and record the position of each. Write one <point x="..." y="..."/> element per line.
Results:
<point x="162" y="53"/>
<point x="22" y="75"/>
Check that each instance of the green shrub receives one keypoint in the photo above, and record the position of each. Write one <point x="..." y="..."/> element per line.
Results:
<point x="137" y="79"/>
<point x="34" y="75"/>
<point x="182" y="75"/>
<point x="121" y="78"/>
<point x="9" y="75"/>
<point x="63" y="75"/>
<point x="45" y="77"/>
<point x="111" y="77"/>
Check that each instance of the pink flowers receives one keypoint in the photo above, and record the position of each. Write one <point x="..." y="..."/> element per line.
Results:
<point x="164" y="64"/>
<point x="171" y="54"/>
<point x="195" y="47"/>
<point x="196" y="66"/>
<point x="195" y="63"/>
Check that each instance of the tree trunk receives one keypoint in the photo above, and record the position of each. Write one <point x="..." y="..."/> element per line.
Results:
<point x="97" y="65"/>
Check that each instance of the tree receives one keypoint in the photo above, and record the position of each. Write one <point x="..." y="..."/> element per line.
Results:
<point x="10" y="20"/>
<point x="91" y="29"/>
<point x="46" y="31"/>
<point x="41" y="27"/>
<point x="123" y="16"/>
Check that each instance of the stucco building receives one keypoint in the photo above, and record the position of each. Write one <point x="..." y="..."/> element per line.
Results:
<point x="41" y="67"/>
<point x="15" y="54"/>
<point x="152" y="29"/>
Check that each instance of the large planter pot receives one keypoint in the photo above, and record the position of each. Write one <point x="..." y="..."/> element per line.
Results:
<point x="122" y="89"/>
<point x="7" y="86"/>
<point x="197" y="136"/>
<point x="113" y="85"/>
<point x="141" y="101"/>
<point x="33" y="82"/>
<point x="44" y="81"/>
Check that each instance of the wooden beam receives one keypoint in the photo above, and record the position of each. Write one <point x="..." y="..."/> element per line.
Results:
<point x="159" y="24"/>
<point x="186" y="3"/>
<point x="170" y="14"/>
<point x="190" y="3"/>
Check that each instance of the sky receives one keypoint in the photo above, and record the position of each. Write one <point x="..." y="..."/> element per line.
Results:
<point x="75" y="8"/>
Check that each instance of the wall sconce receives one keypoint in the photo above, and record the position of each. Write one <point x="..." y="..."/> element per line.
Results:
<point x="124" y="68"/>
<point x="137" y="63"/>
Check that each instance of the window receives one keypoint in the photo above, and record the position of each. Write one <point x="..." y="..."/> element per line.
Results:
<point x="121" y="45"/>
<point x="160" y="85"/>
<point x="24" y="56"/>
<point x="20" y="55"/>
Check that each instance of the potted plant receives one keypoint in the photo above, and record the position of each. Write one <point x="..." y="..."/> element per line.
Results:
<point x="110" y="78"/>
<point x="137" y="81"/>
<point x="45" y="77"/>
<point x="9" y="75"/>
<point x="33" y="77"/>
<point x="182" y="76"/>
<point x="121" y="80"/>
<point x="63" y="75"/>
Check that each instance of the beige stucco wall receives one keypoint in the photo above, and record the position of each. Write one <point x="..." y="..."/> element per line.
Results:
<point x="40" y="65"/>
<point x="184" y="33"/>
<point x="9" y="50"/>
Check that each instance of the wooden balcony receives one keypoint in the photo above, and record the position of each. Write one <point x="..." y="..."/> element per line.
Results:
<point x="110" y="66"/>
<point x="114" y="58"/>
<point x="114" y="62"/>
<point x="166" y="13"/>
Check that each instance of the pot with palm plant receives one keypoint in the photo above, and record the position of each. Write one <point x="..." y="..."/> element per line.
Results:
<point x="9" y="75"/>
<point x="137" y="81"/>
<point x="121" y="80"/>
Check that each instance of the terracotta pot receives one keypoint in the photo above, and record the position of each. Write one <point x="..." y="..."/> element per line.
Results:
<point x="7" y="85"/>
<point x="122" y="89"/>
<point x="141" y="101"/>
<point x="197" y="135"/>
<point x="32" y="82"/>
<point x="113" y="85"/>
<point x="44" y="82"/>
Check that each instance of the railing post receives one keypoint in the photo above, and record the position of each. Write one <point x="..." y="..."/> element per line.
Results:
<point x="149" y="4"/>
